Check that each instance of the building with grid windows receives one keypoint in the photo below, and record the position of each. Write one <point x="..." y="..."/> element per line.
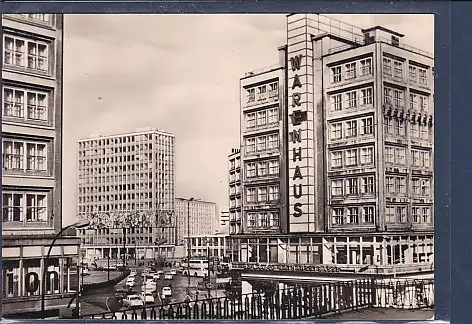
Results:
<point x="234" y="181"/>
<point x="32" y="170"/>
<point x="202" y="215"/>
<point x="126" y="185"/>
<point x="356" y="159"/>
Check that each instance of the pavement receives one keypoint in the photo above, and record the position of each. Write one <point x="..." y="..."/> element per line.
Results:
<point x="100" y="276"/>
<point x="382" y="314"/>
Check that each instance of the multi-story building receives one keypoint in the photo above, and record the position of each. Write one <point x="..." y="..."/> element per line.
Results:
<point x="202" y="215"/>
<point x="32" y="170"/>
<point x="126" y="186"/>
<point x="261" y="158"/>
<point x="223" y="221"/>
<point x="356" y="158"/>
<point x="216" y="245"/>
<point x="234" y="182"/>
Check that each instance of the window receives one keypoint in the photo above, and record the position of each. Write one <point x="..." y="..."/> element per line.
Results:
<point x="390" y="214"/>
<point x="262" y="169"/>
<point x="251" y="120"/>
<point x="413" y="101"/>
<point x="398" y="69"/>
<point x="351" y="128"/>
<point x="400" y="185"/>
<point x="251" y="195"/>
<point x="14" y="104"/>
<point x="250" y="170"/>
<point x="335" y="74"/>
<point x="351" y="186"/>
<point x="423" y="103"/>
<point x="273" y="92"/>
<point x="399" y="127"/>
<point x="415" y="157"/>
<point x="14" y="207"/>
<point x="273" y="141"/>
<point x="412" y="72"/>
<point x="351" y="101"/>
<point x="336" y="131"/>
<point x="368" y="185"/>
<point x="426" y="214"/>
<point x="262" y="197"/>
<point x="415" y="213"/>
<point x="415" y="186"/>
<point x="350" y="70"/>
<point x="387" y="66"/>
<point x="401" y="214"/>
<point x="251" y="95"/>
<point x="366" y="66"/>
<point x="425" y="187"/>
<point x="388" y="95"/>
<point x="336" y="159"/>
<point x="368" y="214"/>
<point x="351" y="157"/>
<point x="398" y="98"/>
<point x="250" y="145"/>
<point x="366" y="96"/>
<point x="15" y="155"/>
<point x="367" y="155"/>
<point x="389" y="154"/>
<point x="338" y="216"/>
<point x="261" y="92"/>
<point x="14" y="51"/>
<point x="26" y="53"/>
<point x="251" y="220"/>
<point x="273" y="167"/>
<point x="400" y="155"/>
<point x="422" y="76"/>
<point x="389" y="185"/>
<point x="261" y="143"/>
<point x="337" y="187"/>
<point x="424" y="131"/>
<point x="352" y="215"/>
<point x="273" y="116"/>
<point x="273" y="193"/>
<point x="261" y="118"/>
<point x="367" y="126"/>
<point x="424" y="159"/>
<point x="336" y="102"/>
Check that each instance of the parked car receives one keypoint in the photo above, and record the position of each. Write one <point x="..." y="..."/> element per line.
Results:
<point x="166" y="292"/>
<point x="133" y="301"/>
<point x="147" y="297"/>
<point x="168" y="276"/>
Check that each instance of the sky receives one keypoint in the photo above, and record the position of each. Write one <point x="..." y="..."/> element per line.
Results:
<point x="179" y="74"/>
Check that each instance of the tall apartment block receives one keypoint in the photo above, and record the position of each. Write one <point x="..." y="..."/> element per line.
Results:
<point x="356" y="159"/>
<point x="32" y="170"/>
<point x="126" y="185"/>
<point x="202" y="216"/>
<point x="235" y="220"/>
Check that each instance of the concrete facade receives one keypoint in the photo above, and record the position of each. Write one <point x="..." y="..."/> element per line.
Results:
<point x="203" y="218"/>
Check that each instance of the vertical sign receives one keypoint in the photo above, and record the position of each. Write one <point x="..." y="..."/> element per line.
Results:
<point x="300" y="126"/>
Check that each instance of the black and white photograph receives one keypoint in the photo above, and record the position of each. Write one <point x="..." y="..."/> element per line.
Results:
<point x="218" y="166"/>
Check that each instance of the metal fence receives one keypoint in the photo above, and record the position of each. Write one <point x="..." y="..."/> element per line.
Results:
<point x="295" y="303"/>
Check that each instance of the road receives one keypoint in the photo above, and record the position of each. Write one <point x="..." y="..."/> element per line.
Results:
<point x="102" y="300"/>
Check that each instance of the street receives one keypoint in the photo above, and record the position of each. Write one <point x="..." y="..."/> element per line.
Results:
<point x="103" y="299"/>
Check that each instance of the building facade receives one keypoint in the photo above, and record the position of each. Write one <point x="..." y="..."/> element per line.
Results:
<point x="32" y="170"/>
<point x="216" y="245"/>
<point x="234" y="181"/>
<point x="126" y="186"/>
<point x="357" y="159"/>
<point x="223" y="222"/>
<point x="202" y="216"/>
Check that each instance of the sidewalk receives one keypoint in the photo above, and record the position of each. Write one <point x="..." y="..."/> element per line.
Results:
<point x="390" y="314"/>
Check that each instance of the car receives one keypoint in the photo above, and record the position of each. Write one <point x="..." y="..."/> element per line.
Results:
<point x="133" y="301"/>
<point x="173" y="272"/>
<point x="133" y="273"/>
<point x="147" y="297"/>
<point x="160" y="272"/>
<point x="168" y="276"/>
<point x="156" y="277"/>
<point x="149" y="288"/>
<point x="166" y="292"/>
<point x="130" y="282"/>
<point x="121" y="293"/>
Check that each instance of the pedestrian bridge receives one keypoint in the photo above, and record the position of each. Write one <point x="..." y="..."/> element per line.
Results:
<point x="300" y="302"/>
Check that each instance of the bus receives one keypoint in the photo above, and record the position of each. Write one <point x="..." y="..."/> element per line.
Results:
<point x="198" y="267"/>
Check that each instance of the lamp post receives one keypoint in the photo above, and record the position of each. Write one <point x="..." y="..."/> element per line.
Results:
<point x="77" y="225"/>
<point x="188" y="239"/>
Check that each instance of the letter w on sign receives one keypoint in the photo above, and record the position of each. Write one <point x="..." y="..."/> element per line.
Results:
<point x="296" y="62"/>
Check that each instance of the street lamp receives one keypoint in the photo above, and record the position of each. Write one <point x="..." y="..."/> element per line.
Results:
<point x="188" y="239"/>
<point x="77" y="225"/>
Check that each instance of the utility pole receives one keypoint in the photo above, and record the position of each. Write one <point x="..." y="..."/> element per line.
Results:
<point x="124" y="246"/>
<point x="188" y="240"/>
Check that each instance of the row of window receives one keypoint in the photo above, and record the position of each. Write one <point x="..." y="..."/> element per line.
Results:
<point x="262" y="219"/>
<point x="131" y="140"/>
<point x="264" y="143"/>
<point x="396" y="185"/>
<point x="395" y="68"/>
<point x="262" y="168"/>
<point x="42" y="18"/>
<point x="396" y="126"/>
<point x="262" y="194"/>
<point x="262" y="118"/>
<point x="25" y="53"/>
<point x="24" y="207"/>
<point x="352" y="157"/>
<point x="350" y="186"/>
<point x="398" y="214"/>
<point x="144" y="151"/>
<point x="262" y="92"/>
<point x="396" y="155"/>
<point x="30" y="105"/>
<point x="129" y="207"/>
<point x="396" y="97"/>
<point x="26" y="156"/>
<point x="352" y="128"/>
<point x="352" y="99"/>
<point x="236" y="163"/>
<point x="351" y="70"/>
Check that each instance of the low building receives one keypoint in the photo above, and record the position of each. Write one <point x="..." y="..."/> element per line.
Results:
<point x="216" y="245"/>
<point x="202" y="215"/>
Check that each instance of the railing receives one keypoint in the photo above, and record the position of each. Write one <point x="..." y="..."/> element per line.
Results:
<point x="300" y="302"/>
